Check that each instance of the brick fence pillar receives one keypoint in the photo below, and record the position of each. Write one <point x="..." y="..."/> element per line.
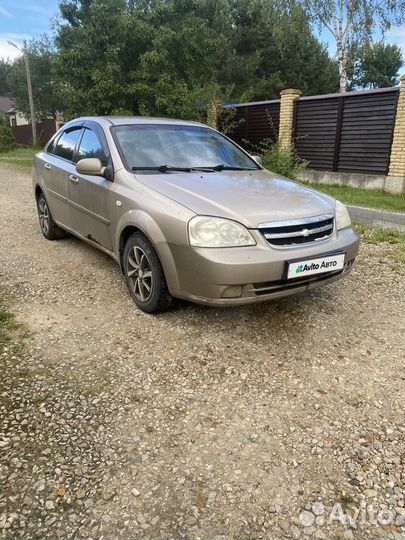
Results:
<point x="397" y="160"/>
<point x="287" y="108"/>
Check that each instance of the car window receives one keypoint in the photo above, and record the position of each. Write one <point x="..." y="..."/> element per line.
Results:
<point x="176" y="145"/>
<point x="90" y="147"/>
<point x="52" y="144"/>
<point x="65" y="147"/>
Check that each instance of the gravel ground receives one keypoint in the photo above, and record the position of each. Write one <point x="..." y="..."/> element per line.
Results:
<point x="280" y="420"/>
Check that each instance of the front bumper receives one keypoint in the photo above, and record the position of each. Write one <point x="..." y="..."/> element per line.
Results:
<point x="255" y="273"/>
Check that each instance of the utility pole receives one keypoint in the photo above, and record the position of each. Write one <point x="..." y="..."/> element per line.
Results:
<point x="29" y="85"/>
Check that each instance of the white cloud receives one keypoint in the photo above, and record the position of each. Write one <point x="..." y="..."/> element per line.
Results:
<point x="5" y="13"/>
<point x="7" y="50"/>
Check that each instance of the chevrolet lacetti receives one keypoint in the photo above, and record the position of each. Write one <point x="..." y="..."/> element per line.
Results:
<point x="187" y="213"/>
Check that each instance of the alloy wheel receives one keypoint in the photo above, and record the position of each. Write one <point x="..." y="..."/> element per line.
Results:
<point x="140" y="274"/>
<point x="43" y="215"/>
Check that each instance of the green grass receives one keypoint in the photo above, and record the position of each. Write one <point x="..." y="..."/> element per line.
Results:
<point x="19" y="153"/>
<point x="376" y="235"/>
<point x="362" y="197"/>
<point x="25" y="163"/>
<point x="22" y="157"/>
<point x="379" y="235"/>
<point x="6" y="324"/>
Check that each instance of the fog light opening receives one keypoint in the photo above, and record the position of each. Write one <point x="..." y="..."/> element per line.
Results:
<point x="232" y="292"/>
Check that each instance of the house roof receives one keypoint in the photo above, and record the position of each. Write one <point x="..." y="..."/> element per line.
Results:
<point x="6" y="105"/>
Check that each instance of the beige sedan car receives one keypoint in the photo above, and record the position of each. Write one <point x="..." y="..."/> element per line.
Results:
<point x="187" y="213"/>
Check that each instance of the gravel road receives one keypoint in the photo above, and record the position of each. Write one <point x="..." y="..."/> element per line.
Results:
<point x="280" y="420"/>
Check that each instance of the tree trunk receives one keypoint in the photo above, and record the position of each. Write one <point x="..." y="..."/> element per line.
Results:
<point x="212" y="115"/>
<point x="342" y="61"/>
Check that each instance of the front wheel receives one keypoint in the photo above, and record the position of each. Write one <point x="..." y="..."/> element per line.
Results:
<point x="144" y="275"/>
<point x="48" y="227"/>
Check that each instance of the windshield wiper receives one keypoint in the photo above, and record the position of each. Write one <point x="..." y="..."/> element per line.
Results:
<point x="223" y="167"/>
<point x="167" y="168"/>
<point x="163" y="168"/>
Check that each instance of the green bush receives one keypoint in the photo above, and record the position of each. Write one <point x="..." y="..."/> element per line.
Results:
<point x="280" y="160"/>
<point x="7" y="141"/>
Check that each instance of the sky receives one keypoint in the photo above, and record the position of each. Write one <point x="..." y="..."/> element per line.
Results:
<point x="23" y="19"/>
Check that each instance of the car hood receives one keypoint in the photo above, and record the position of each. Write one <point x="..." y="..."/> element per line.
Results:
<point x="250" y="197"/>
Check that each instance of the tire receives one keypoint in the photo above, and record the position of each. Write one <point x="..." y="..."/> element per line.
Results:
<point x="144" y="275"/>
<point x="48" y="227"/>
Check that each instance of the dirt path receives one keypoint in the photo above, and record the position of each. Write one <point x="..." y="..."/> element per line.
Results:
<point x="201" y="423"/>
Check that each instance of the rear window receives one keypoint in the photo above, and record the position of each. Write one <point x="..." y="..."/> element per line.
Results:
<point x="51" y="146"/>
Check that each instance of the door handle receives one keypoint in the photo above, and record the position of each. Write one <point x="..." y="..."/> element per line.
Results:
<point x="47" y="165"/>
<point x="73" y="178"/>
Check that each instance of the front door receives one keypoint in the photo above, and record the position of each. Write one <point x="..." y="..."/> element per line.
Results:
<point x="89" y="195"/>
<point x="56" y="167"/>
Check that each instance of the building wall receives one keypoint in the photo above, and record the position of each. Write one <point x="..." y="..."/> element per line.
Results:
<point x="18" y="120"/>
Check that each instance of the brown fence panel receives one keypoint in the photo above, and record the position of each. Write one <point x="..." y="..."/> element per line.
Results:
<point x="316" y="123"/>
<point x="366" y="133"/>
<point x="255" y="123"/>
<point x="348" y="132"/>
<point x="23" y="134"/>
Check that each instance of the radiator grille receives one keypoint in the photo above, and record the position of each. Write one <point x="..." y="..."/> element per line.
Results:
<point x="298" y="232"/>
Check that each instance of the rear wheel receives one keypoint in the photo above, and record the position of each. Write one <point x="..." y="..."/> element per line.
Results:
<point x="144" y="275"/>
<point x="48" y="227"/>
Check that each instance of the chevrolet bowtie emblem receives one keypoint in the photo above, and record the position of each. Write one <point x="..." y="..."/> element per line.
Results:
<point x="305" y="232"/>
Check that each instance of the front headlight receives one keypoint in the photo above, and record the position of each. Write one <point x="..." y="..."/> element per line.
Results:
<point x="342" y="216"/>
<point x="206" y="231"/>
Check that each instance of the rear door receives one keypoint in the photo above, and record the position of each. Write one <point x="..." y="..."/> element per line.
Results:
<point x="57" y="165"/>
<point x="89" y="195"/>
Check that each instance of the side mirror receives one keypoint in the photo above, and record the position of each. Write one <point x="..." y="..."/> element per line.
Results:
<point x="258" y="159"/>
<point x="90" y="166"/>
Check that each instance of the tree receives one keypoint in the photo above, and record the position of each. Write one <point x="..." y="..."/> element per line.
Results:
<point x="7" y="141"/>
<point x="276" y="49"/>
<point x="44" y="78"/>
<point x="173" y="57"/>
<point x="353" y="20"/>
<point x="96" y="54"/>
<point x="187" y="60"/>
<point x="375" y="65"/>
<point x="158" y="58"/>
<point x="5" y="67"/>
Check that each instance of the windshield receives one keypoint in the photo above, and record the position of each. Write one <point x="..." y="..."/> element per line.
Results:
<point x="163" y="147"/>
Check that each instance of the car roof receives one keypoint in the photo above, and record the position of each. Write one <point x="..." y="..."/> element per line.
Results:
<point x="129" y="120"/>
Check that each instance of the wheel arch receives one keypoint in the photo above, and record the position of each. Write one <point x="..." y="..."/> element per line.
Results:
<point x="125" y="234"/>
<point x="140" y="221"/>
<point x="38" y="191"/>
